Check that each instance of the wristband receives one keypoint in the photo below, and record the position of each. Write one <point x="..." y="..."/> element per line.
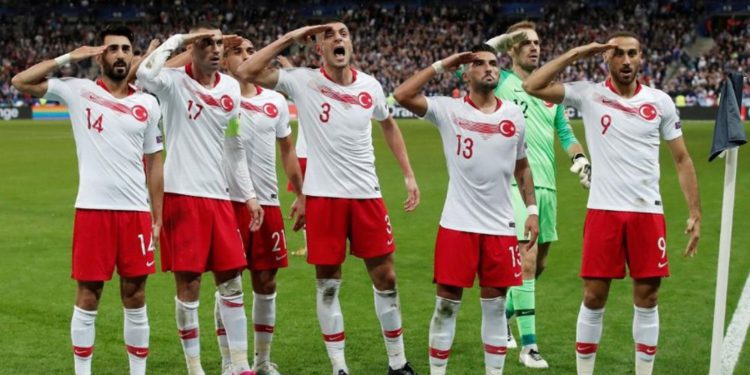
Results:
<point x="576" y="156"/>
<point x="62" y="60"/>
<point x="532" y="210"/>
<point x="438" y="66"/>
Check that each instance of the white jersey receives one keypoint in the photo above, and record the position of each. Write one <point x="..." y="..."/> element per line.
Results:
<point x="195" y="123"/>
<point x="338" y="131"/>
<point x="481" y="151"/>
<point x="111" y="136"/>
<point x="623" y="140"/>
<point x="300" y="147"/>
<point x="263" y="119"/>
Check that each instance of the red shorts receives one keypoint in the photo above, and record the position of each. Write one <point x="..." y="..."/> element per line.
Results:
<point x="460" y="256"/>
<point x="613" y="238"/>
<point x="331" y="221"/>
<point x="199" y="235"/>
<point x="303" y="166"/>
<point x="105" y="238"/>
<point x="266" y="248"/>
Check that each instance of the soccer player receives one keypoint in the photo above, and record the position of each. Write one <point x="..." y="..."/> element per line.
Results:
<point x="624" y="224"/>
<point x="543" y="121"/>
<point x="483" y="143"/>
<point x="200" y="232"/>
<point x="343" y="200"/>
<point x="116" y="130"/>
<point x="264" y="120"/>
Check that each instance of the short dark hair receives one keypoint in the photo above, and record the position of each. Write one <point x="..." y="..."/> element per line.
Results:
<point x="118" y="30"/>
<point x="206" y="25"/>
<point x="623" y="34"/>
<point x="526" y="24"/>
<point x="483" y="48"/>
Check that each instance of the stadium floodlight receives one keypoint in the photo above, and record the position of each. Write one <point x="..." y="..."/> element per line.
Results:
<point x="728" y="136"/>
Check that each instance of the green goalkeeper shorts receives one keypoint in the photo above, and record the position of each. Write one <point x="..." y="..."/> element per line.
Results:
<point x="546" y="200"/>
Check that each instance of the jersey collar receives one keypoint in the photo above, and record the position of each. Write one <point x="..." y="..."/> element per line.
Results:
<point x="325" y="74"/>
<point x="189" y="71"/>
<point x="612" y="87"/>
<point x="467" y="99"/>
<point x="100" y="83"/>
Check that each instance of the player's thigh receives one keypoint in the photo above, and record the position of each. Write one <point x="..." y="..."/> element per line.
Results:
<point x="603" y="245"/>
<point x="267" y="248"/>
<point x="94" y="245"/>
<point x="327" y="222"/>
<point x="456" y="258"/>
<point x="500" y="264"/>
<point x="226" y="252"/>
<point x="135" y="252"/>
<point x="371" y="232"/>
<point x="547" y="201"/>
<point x="647" y="246"/>
<point x="186" y="233"/>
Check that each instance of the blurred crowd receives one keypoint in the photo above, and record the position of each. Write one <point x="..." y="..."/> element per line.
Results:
<point x="393" y="40"/>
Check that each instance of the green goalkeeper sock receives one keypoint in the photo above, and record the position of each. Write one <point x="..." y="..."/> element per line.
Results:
<point x="509" y="310"/>
<point x="523" y="301"/>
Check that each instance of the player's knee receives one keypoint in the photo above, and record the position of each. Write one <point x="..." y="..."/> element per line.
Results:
<point x="134" y="299"/>
<point x="647" y="300"/>
<point x="385" y="280"/>
<point x="265" y="286"/>
<point x="87" y="302"/>
<point x="594" y="300"/>
<point x="231" y="287"/>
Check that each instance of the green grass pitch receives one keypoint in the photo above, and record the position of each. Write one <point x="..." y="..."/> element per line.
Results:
<point x="38" y="187"/>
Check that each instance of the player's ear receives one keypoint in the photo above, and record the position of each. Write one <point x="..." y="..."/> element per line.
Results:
<point x="318" y="49"/>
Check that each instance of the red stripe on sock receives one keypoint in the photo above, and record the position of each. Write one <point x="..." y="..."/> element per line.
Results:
<point x="586" y="347"/>
<point x="263" y="328"/>
<point x="646" y="349"/>
<point x="187" y="334"/>
<point x="83" y="352"/>
<point x="137" y="351"/>
<point x="231" y="304"/>
<point x="221" y="332"/>
<point x="334" y="337"/>
<point x="440" y="354"/>
<point x="491" y="349"/>
<point x="393" y="334"/>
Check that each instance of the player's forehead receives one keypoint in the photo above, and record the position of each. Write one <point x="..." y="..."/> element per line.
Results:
<point x="484" y="56"/>
<point x="626" y="43"/>
<point x="216" y="32"/>
<point x="116" y="40"/>
<point x="337" y="27"/>
<point x="531" y="34"/>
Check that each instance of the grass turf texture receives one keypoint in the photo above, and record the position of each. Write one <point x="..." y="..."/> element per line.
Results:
<point x="38" y="188"/>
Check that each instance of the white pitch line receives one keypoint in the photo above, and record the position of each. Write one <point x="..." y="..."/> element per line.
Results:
<point x="736" y="332"/>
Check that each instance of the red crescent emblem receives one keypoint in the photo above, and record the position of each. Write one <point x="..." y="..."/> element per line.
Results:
<point x="270" y="110"/>
<point x="507" y="128"/>
<point x="226" y="103"/>
<point x="647" y="111"/>
<point x="365" y="100"/>
<point x="139" y="113"/>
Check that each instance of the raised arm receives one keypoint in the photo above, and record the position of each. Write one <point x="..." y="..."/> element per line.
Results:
<point x="409" y="94"/>
<point x="540" y="83"/>
<point x="32" y="80"/>
<point x="151" y="65"/>
<point x="255" y="69"/>
<point x="689" y="185"/>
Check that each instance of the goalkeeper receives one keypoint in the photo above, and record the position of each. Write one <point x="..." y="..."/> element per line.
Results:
<point x="543" y="121"/>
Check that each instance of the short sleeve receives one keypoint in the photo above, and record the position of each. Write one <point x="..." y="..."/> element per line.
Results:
<point x="380" y="112"/>
<point x="521" y="129"/>
<point x="670" y="126"/>
<point x="153" y="140"/>
<point x="575" y="93"/>
<point x="290" y="80"/>
<point x="436" y="113"/>
<point x="59" y="89"/>
<point x="283" y="129"/>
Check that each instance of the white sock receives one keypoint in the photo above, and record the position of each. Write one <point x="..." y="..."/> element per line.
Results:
<point x="494" y="334"/>
<point x="82" y="333"/>
<point x="136" y="332"/>
<point x="331" y="321"/>
<point x="588" y="335"/>
<point x="221" y="334"/>
<point x="646" y="336"/>
<point x="232" y="309"/>
<point x="442" y="330"/>
<point x="388" y="308"/>
<point x="186" y="314"/>
<point x="264" y="320"/>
